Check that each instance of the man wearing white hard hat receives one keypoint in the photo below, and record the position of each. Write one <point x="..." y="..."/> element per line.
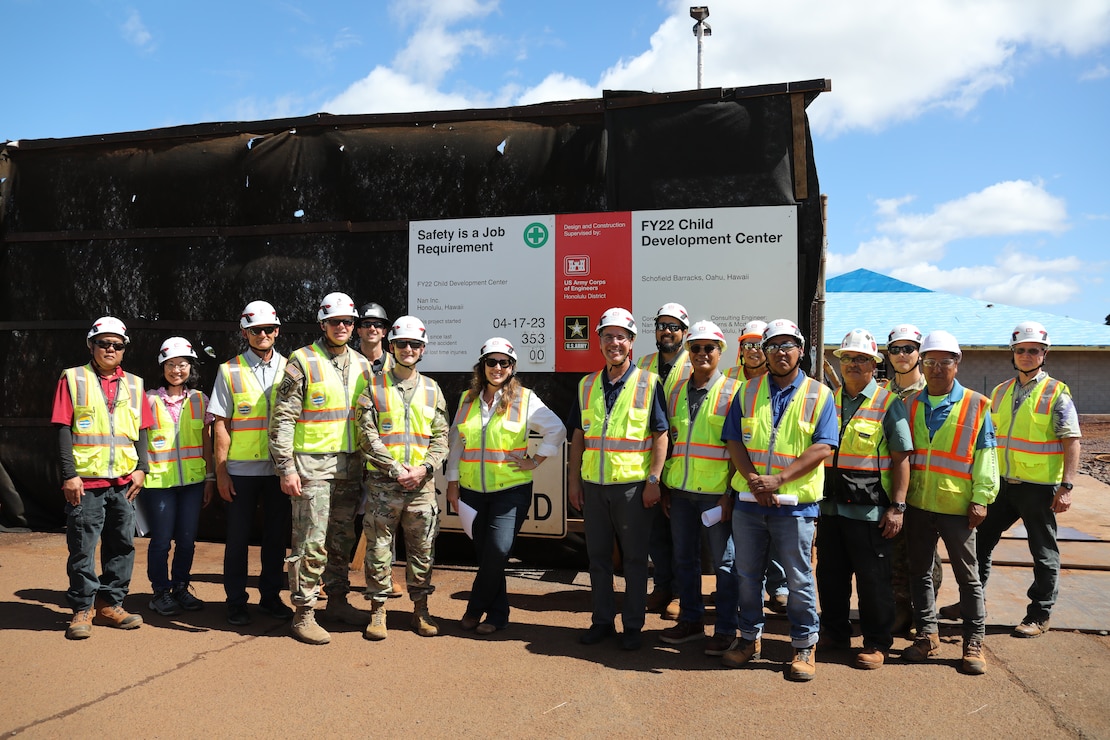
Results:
<point x="102" y="418"/>
<point x="618" y="447"/>
<point x="313" y="446"/>
<point x="672" y="365"/>
<point x="243" y="399"/>
<point x="1038" y="453"/>
<point x="696" y="477"/>
<point x="864" y="505"/>
<point x="779" y="430"/>
<point x="402" y="426"/>
<point x="953" y="478"/>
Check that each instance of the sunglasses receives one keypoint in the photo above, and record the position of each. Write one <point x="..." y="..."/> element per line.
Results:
<point x="942" y="363"/>
<point x="750" y="345"/>
<point x="340" y="322"/>
<point x="1034" y="351"/>
<point x="784" y="347"/>
<point x="905" y="349"/>
<point x="698" y="349"/>
<point x="406" y="344"/>
<point x="257" y="330"/>
<point x="491" y="362"/>
<point x="857" y="360"/>
<point x="371" y="325"/>
<point x="107" y="344"/>
<point x="662" y="326"/>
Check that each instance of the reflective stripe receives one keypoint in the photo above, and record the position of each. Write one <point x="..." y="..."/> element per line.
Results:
<point x="1028" y="447"/>
<point x="326" y="423"/>
<point x="249" y="421"/>
<point x="618" y="441"/>
<point x="490" y="447"/>
<point x="941" y="467"/>
<point x="104" y="439"/>
<point x="405" y="429"/>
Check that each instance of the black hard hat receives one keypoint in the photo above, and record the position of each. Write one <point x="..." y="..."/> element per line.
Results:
<point x="373" y="311"/>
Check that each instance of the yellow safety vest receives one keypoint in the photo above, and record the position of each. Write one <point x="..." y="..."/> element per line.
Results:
<point x="618" y="443"/>
<point x="1027" y="441"/>
<point x="176" y="448"/>
<point x="484" y="465"/>
<point x="405" y="429"/>
<point x="862" y="458"/>
<point x="699" y="461"/>
<point x="327" y="421"/>
<point x="680" y="370"/>
<point x="940" y="468"/>
<point x="249" y="423"/>
<point x="103" y="440"/>
<point x="772" y="449"/>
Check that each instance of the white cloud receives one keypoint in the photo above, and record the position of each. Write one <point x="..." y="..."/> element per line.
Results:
<point x="1097" y="72"/>
<point x="136" y="33"/>
<point x="386" y="91"/>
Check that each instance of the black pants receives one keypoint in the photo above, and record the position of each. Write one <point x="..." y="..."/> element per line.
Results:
<point x="846" y="547"/>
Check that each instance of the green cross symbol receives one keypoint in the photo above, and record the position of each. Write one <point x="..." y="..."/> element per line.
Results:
<point x="535" y="235"/>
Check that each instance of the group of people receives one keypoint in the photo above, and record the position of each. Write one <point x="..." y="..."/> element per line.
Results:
<point x="759" y="460"/>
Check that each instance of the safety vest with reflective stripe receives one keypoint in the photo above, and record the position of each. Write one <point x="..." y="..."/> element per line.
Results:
<point x="103" y="440"/>
<point x="484" y="465"/>
<point x="771" y="448"/>
<point x="249" y="423"/>
<point x="176" y="448"/>
<point x="699" y="461"/>
<point x="404" y="428"/>
<point x="618" y="443"/>
<point x="1028" y="446"/>
<point x="327" y="421"/>
<point x="862" y="459"/>
<point x="680" y="370"/>
<point x="940" y="468"/>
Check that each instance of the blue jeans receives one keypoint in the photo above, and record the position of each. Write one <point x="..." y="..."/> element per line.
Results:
<point x="276" y="528"/>
<point x="686" y="529"/>
<point x="791" y="537"/>
<point x="172" y="515"/>
<point x="498" y="520"/>
<point x="105" y="516"/>
<point x="617" y="510"/>
<point x="776" y="576"/>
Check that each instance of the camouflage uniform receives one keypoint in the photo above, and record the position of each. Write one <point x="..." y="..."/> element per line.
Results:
<point x="330" y="492"/>
<point x="389" y="506"/>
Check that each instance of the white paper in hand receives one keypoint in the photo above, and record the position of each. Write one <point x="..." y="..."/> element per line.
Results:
<point x="711" y="516"/>
<point x="466" y="518"/>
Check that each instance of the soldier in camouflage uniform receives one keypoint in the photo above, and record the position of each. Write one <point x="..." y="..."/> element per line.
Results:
<point x="402" y="425"/>
<point x="312" y="444"/>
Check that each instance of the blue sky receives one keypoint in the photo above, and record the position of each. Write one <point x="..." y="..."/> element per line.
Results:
<point x="963" y="147"/>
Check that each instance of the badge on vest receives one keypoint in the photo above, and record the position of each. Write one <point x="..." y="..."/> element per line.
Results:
<point x="158" y="441"/>
<point x="317" y="398"/>
<point x="585" y="426"/>
<point x="84" y="423"/>
<point x="243" y="409"/>
<point x="387" y="426"/>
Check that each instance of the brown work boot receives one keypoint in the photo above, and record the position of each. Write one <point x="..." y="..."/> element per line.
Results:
<point x="923" y="647"/>
<point x="804" y="665"/>
<point x="870" y="658"/>
<point x="683" y="632"/>
<point x="341" y="610"/>
<point x="422" y="622"/>
<point x="951" y="612"/>
<point x="719" y="644"/>
<point x="376" y="629"/>
<point x="80" y="626"/>
<point x="975" y="662"/>
<point x="1030" y="628"/>
<point x="658" y="599"/>
<point x="777" y="603"/>
<point x="305" y="629"/>
<point x="671" y="610"/>
<point x="116" y="616"/>
<point x="744" y="651"/>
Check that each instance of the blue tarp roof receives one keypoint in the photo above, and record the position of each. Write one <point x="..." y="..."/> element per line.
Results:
<point x="867" y="300"/>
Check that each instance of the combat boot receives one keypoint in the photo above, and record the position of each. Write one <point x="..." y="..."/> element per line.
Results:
<point x="376" y="629"/>
<point x="422" y="622"/>
<point x="305" y="629"/>
<point x="341" y="610"/>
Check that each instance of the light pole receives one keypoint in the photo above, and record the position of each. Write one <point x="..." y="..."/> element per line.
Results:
<point x="701" y="29"/>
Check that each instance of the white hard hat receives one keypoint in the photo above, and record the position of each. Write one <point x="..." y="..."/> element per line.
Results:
<point x="674" y="309"/>
<point x="498" y="344"/>
<point x="1029" y="331"/>
<point x="334" y="305"/>
<point x="753" y="330"/>
<point x="860" y="341"/>
<point x="783" y="327"/>
<point x="107" y="325"/>
<point x="175" y="347"/>
<point x="258" y="313"/>
<point x="940" y="341"/>
<point x="707" y="330"/>
<point x="408" y="327"/>
<point x="618" y="317"/>
<point x="904" y="331"/>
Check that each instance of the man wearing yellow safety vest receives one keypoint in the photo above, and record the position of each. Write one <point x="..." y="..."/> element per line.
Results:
<point x="312" y="444"/>
<point x="672" y="365"/>
<point x="401" y="420"/>
<point x="953" y="478"/>
<point x="696" y="477"/>
<point x="618" y="447"/>
<point x="102" y="419"/>
<point x="779" y="430"/>
<point x="865" y="500"/>
<point x="243" y="399"/>
<point x="1038" y="452"/>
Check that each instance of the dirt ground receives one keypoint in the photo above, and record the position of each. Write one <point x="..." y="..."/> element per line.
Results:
<point x="1095" y="457"/>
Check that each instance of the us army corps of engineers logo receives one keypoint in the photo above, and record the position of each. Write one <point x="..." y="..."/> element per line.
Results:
<point x="575" y="337"/>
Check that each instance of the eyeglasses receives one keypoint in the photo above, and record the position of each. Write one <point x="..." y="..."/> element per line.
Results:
<point x="784" y="347"/>
<point x="108" y="344"/>
<point x="664" y="326"/>
<point x="406" y="344"/>
<point x="698" y="349"/>
<point x="750" y="346"/>
<point x="947" y="363"/>
<point x="855" y="360"/>
<point x="256" y="330"/>
<point x="1034" y="351"/>
<point x="183" y="365"/>
<point x="371" y="325"/>
<point x="340" y="322"/>
<point x="492" y="362"/>
<point x="615" y="339"/>
<point x="905" y="349"/>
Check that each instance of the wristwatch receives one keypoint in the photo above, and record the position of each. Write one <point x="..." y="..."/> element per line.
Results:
<point x="654" y="479"/>
<point x="1066" y="486"/>
<point x="431" y="469"/>
<point x="899" y="506"/>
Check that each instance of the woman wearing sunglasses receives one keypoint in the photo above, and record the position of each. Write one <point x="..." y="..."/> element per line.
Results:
<point x="490" y="469"/>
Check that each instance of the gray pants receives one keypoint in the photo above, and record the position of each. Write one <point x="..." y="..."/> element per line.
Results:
<point x="923" y="528"/>
<point x="617" y="510"/>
